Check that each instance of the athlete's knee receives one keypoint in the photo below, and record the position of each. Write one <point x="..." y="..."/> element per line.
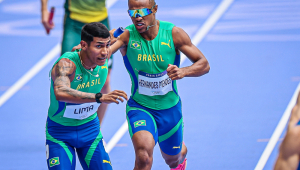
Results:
<point x="144" y="157"/>
<point x="107" y="82"/>
<point x="143" y="146"/>
<point x="106" y="88"/>
<point x="174" y="160"/>
<point x="184" y="151"/>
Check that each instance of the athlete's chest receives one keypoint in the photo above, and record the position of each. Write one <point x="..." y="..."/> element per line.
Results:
<point x="89" y="81"/>
<point x="151" y="56"/>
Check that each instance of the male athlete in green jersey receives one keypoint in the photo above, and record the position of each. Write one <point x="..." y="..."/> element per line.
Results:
<point x="72" y="123"/>
<point x="151" y="53"/>
<point x="77" y="14"/>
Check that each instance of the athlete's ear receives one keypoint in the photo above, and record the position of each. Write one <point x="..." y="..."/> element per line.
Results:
<point x="83" y="44"/>
<point x="155" y="9"/>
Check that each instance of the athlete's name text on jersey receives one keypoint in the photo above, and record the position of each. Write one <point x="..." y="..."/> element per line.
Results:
<point x="149" y="58"/>
<point x="88" y="84"/>
<point x="83" y="110"/>
<point x="155" y="85"/>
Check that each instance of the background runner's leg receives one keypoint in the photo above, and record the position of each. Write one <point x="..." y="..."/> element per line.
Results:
<point x="105" y="89"/>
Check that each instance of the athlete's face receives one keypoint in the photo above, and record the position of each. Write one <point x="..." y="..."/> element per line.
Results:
<point x="98" y="50"/>
<point x="141" y="23"/>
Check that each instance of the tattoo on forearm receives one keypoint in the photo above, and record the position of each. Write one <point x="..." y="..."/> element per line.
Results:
<point x="78" y="94"/>
<point x="63" y="72"/>
<point x="62" y="81"/>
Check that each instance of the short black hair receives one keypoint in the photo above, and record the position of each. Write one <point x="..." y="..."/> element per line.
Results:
<point x="150" y="2"/>
<point x="94" y="29"/>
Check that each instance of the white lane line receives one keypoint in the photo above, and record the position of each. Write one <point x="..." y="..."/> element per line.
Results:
<point x="278" y="131"/>
<point x="37" y="68"/>
<point x="31" y="73"/>
<point x="115" y="139"/>
<point x="209" y="23"/>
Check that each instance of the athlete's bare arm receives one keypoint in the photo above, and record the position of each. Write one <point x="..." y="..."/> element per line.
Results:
<point x="45" y="15"/>
<point x="121" y="43"/>
<point x="288" y="158"/>
<point x="183" y="43"/>
<point x="63" y="73"/>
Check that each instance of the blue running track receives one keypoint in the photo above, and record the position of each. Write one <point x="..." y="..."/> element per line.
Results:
<point x="229" y="114"/>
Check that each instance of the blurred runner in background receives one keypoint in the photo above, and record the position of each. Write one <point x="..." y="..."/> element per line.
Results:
<point x="288" y="158"/>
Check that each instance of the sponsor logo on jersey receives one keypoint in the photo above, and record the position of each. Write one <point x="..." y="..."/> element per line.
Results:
<point x="78" y="77"/>
<point x="139" y="123"/>
<point x="135" y="45"/>
<point x="54" y="161"/>
<point x="168" y="44"/>
<point x="105" y="161"/>
<point x="103" y="67"/>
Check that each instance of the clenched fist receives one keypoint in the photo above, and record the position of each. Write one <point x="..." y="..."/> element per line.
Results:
<point x="174" y="72"/>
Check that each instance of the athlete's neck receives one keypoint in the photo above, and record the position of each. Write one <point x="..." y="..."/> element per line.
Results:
<point x="152" y="31"/>
<point x="86" y="62"/>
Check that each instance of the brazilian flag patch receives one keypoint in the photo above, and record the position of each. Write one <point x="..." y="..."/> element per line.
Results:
<point x="139" y="123"/>
<point x="78" y="77"/>
<point x="54" y="161"/>
<point x="135" y="45"/>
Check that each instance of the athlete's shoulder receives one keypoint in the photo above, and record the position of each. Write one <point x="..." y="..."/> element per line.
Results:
<point x="166" y="25"/>
<point x="70" y="55"/>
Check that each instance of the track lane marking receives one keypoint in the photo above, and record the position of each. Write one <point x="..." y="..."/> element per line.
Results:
<point x="278" y="131"/>
<point x="30" y="74"/>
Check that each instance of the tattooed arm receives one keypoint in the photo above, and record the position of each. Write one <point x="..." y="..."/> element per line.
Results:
<point x="63" y="73"/>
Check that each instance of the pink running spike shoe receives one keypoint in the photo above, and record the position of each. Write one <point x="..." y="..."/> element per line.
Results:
<point x="181" y="166"/>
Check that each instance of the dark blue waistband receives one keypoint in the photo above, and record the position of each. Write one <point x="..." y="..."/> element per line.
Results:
<point x="132" y="103"/>
<point x="52" y="124"/>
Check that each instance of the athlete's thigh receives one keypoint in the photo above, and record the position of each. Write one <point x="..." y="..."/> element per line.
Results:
<point x="140" y="119"/>
<point x="90" y="151"/>
<point x="94" y="157"/>
<point x="60" y="156"/>
<point x="170" y="130"/>
<point x="72" y="34"/>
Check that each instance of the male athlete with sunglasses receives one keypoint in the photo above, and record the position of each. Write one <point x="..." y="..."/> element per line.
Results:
<point x="151" y="52"/>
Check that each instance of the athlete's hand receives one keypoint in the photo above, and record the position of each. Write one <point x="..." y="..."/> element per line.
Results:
<point x="113" y="97"/>
<point x="174" y="72"/>
<point x="112" y="37"/>
<point x="77" y="47"/>
<point x="45" y="22"/>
